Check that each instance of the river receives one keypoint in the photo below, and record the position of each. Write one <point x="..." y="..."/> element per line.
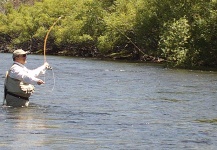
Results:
<point x="89" y="104"/>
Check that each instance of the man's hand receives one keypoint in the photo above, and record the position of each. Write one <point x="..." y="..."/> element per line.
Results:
<point x="40" y="82"/>
<point x="47" y="66"/>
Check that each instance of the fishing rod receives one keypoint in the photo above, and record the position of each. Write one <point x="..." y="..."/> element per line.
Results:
<point x="45" y="40"/>
<point x="45" y="44"/>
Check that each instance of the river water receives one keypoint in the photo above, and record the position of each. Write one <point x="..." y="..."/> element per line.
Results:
<point x="91" y="104"/>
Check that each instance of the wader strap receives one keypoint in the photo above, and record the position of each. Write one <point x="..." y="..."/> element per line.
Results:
<point x="12" y="94"/>
<point x="5" y="89"/>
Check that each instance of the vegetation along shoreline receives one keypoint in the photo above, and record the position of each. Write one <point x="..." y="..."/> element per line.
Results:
<point x="177" y="33"/>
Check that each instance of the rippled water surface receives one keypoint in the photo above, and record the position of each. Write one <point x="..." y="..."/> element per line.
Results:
<point x="97" y="105"/>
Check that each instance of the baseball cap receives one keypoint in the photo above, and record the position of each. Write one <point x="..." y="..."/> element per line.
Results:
<point x="18" y="52"/>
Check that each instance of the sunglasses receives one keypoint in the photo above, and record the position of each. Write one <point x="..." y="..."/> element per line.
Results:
<point x="23" y="55"/>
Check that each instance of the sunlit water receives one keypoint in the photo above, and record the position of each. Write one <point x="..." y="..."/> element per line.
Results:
<point x="97" y="105"/>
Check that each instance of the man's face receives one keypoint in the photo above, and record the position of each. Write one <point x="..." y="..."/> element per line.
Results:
<point x="21" y="59"/>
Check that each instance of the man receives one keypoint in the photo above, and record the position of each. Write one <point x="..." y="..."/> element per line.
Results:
<point x="20" y="80"/>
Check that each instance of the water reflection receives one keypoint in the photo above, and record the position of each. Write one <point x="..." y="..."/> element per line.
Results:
<point x="24" y="127"/>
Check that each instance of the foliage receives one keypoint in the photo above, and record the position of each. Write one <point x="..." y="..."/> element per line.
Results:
<point x="147" y="27"/>
<point x="183" y="32"/>
<point x="119" y="21"/>
<point x="174" y="41"/>
<point x="204" y="33"/>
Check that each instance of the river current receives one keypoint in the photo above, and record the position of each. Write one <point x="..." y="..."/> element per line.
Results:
<point x="89" y="104"/>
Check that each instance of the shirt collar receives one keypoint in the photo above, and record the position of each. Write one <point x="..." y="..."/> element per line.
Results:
<point x="19" y="64"/>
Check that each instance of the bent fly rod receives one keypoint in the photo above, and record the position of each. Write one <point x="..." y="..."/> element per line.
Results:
<point x="45" y="40"/>
<point x="45" y="43"/>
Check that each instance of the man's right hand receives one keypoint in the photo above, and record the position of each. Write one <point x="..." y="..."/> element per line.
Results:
<point x="47" y="66"/>
<point x="40" y="82"/>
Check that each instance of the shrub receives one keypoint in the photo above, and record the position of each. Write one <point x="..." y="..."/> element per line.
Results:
<point x="174" y="41"/>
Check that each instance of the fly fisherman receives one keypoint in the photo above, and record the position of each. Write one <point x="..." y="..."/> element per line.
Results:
<point x="20" y="80"/>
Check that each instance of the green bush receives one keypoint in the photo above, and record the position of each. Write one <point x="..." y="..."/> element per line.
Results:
<point x="174" y="41"/>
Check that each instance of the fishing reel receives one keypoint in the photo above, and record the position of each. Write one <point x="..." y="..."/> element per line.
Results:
<point x="49" y="68"/>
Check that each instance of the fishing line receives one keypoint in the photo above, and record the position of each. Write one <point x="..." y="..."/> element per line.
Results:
<point x="124" y="36"/>
<point x="53" y="77"/>
<point x="129" y="40"/>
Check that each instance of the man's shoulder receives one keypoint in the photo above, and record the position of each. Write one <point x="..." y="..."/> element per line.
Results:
<point x="16" y="66"/>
